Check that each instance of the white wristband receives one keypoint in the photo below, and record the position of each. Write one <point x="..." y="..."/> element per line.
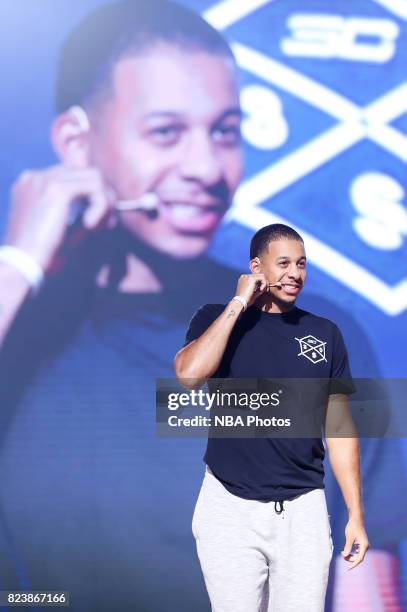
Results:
<point x="242" y="300"/>
<point x="23" y="263"/>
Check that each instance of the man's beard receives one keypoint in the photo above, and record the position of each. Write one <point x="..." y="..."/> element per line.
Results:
<point x="282" y="302"/>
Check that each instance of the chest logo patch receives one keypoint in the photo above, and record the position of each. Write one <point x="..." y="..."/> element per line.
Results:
<point x="312" y="348"/>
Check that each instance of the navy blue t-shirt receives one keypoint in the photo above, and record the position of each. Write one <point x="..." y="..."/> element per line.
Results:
<point x="295" y="344"/>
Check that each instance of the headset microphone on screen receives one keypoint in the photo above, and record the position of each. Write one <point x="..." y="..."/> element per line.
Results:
<point x="81" y="117"/>
<point x="147" y="202"/>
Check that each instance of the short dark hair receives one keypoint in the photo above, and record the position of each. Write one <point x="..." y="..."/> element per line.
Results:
<point x="122" y="29"/>
<point x="276" y="231"/>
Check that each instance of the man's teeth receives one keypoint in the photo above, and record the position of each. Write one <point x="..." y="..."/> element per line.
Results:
<point x="185" y="211"/>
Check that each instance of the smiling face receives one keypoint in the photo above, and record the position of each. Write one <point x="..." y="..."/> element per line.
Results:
<point x="283" y="262"/>
<point x="172" y="127"/>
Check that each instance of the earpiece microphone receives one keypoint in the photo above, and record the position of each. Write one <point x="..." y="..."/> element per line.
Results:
<point x="81" y="117"/>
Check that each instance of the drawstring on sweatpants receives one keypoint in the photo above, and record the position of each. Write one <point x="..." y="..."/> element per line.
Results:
<point x="281" y="509"/>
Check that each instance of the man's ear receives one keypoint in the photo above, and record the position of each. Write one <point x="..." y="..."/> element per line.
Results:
<point x="70" y="137"/>
<point x="255" y="265"/>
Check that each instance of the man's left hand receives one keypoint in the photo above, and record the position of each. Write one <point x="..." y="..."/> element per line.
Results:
<point x="356" y="537"/>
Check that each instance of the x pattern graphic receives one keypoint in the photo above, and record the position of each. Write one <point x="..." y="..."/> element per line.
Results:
<point x="353" y="124"/>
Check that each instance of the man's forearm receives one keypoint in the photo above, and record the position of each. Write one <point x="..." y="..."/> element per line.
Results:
<point x="197" y="361"/>
<point x="14" y="292"/>
<point x="344" y="456"/>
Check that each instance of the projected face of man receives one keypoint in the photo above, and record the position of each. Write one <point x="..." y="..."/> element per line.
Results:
<point x="172" y="127"/>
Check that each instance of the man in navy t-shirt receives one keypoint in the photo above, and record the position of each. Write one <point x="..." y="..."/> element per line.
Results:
<point x="261" y="524"/>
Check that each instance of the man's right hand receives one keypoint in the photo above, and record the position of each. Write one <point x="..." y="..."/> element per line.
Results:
<point x="41" y="208"/>
<point x="251" y="286"/>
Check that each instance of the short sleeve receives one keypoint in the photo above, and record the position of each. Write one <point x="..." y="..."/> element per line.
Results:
<point x="341" y="377"/>
<point x="201" y="320"/>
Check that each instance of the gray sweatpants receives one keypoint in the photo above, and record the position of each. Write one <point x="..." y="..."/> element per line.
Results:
<point x="254" y="559"/>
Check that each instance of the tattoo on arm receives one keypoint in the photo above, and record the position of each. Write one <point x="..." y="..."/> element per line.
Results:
<point x="231" y="313"/>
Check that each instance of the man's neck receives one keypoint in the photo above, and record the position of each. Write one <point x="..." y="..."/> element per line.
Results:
<point x="266" y="304"/>
<point x="139" y="277"/>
